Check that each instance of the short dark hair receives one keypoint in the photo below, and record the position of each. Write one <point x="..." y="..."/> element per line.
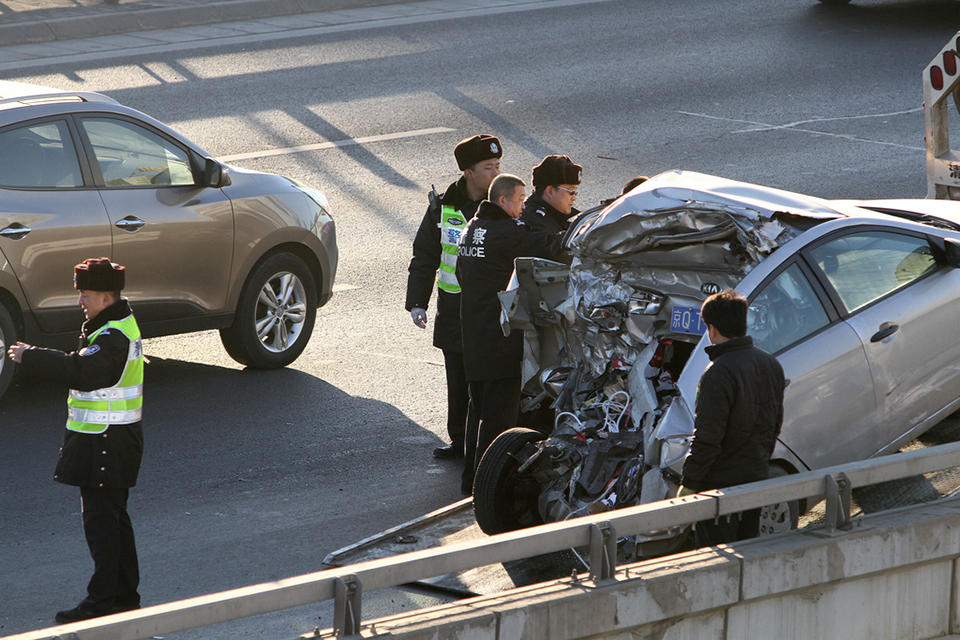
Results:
<point x="632" y="183"/>
<point x="727" y="312"/>
<point x="503" y="185"/>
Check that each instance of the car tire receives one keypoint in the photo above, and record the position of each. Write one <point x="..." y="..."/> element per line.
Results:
<point x="8" y="336"/>
<point x="504" y="500"/>
<point x="280" y="289"/>
<point x="780" y="517"/>
<point x="835" y="2"/>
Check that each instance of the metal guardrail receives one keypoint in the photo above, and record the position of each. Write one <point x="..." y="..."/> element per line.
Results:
<point x="600" y="532"/>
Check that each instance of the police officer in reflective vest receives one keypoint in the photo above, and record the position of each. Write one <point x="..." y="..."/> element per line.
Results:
<point x="555" y="183"/>
<point x="435" y="258"/>
<point x="493" y="239"/>
<point x="103" y="442"/>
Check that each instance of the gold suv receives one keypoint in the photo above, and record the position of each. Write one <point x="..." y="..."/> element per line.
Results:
<point x="206" y="246"/>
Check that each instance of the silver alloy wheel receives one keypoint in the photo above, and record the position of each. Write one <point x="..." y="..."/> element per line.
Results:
<point x="775" y="518"/>
<point x="281" y="311"/>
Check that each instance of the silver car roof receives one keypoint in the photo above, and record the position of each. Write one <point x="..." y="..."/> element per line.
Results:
<point x="17" y="94"/>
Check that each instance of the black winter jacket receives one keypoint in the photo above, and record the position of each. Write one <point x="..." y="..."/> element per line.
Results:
<point x="110" y="459"/>
<point x="484" y="265"/>
<point x="422" y="275"/>
<point x="738" y="417"/>
<point x="541" y="216"/>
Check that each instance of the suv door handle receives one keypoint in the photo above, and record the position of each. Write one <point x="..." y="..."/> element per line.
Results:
<point x="15" y="231"/>
<point x="130" y="223"/>
<point x="885" y="331"/>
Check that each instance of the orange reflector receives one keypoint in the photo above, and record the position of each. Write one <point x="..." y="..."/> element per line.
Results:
<point x="936" y="77"/>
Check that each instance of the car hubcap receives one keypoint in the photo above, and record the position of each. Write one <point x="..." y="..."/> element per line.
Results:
<point x="281" y="312"/>
<point x="775" y="518"/>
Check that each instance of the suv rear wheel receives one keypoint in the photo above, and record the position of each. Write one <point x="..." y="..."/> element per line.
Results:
<point x="275" y="314"/>
<point x="8" y="336"/>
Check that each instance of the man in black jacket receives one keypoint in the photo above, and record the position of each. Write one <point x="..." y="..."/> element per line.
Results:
<point x="103" y="441"/>
<point x="435" y="258"/>
<point x="555" y="183"/>
<point x="738" y="416"/>
<point x="493" y="239"/>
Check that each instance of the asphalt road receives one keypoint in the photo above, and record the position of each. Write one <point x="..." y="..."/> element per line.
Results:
<point x="253" y="476"/>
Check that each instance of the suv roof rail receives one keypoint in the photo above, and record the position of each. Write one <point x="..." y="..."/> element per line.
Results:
<point x="13" y="94"/>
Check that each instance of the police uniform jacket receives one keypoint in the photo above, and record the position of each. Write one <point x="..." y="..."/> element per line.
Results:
<point x="110" y="459"/>
<point x="425" y="262"/>
<point x="738" y="418"/>
<point x="484" y="265"/>
<point x="541" y="216"/>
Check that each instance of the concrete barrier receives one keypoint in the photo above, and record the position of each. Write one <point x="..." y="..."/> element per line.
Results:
<point x="893" y="576"/>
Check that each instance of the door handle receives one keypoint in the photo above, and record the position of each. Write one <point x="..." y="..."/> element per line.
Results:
<point x="886" y="330"/>
<point x="130" y="223"/>
<point x="15" y="231"/>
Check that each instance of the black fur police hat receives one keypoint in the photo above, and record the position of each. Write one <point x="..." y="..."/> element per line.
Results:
<point x="98" y="274"/>
<point x="470" y="151"/>
<point x="554" y="170"/>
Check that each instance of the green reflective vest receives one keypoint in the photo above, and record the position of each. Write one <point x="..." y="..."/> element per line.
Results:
<point x="95" y="411"/>
<point x="452" y="224"/>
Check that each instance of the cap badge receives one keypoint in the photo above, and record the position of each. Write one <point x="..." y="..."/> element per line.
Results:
<point x="493" y="148"/>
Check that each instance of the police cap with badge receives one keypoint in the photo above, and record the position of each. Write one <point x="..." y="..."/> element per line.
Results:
<point x="554" y="170"/>
<point x="470" y="151"/>
<point x="99" y="274"/>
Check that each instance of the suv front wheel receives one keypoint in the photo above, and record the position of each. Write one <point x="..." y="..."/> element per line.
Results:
<point x="8" y="336"/>
<point x="275" y="315"/>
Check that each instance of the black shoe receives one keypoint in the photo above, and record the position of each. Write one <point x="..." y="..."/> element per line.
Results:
<point x="448" y="453"/>
<point x="77" y="614"/>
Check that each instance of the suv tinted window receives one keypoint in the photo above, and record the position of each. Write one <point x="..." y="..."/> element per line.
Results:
<point x="866" y="266"/>
<point x="40" y="155"/>
<point x="785" y="311"/>
<point x="130" y="155"/>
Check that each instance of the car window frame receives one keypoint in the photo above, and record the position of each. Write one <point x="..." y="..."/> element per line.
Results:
<point x="833" y="315"/>
<point x="97" y="174"/>
<point x="86" y="171"/>
<point x="824" y="281"/>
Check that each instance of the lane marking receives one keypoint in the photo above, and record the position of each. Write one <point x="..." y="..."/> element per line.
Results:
<point x="335" y="144"/>
<point x="344" y="287"/>
<point x="765" y="126"/>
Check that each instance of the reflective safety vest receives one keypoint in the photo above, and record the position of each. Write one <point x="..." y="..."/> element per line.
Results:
<point x="95" y="411"/>
<point x="452" y="224"/>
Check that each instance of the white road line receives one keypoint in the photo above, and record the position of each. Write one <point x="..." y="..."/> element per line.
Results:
<point x="335" y="144"/>
<point x="344" y="287"/>
<point x="765" y="126"/>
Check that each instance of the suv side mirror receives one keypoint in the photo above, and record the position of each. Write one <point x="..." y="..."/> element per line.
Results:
<point x="214" y="175"/>
<point x="951" y="252"/>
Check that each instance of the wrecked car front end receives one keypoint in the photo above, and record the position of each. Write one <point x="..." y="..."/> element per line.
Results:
<point x="608" y="338"/>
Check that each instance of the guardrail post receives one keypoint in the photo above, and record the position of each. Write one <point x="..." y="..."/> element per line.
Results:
<point x="603" y="551"/>
<point x="838" y="490"/>
<point x="346" y="606"/>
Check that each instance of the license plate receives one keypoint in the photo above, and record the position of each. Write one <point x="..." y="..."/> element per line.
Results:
<point x="687" y="320"/>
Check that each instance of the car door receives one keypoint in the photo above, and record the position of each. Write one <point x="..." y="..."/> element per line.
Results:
<point x="49" y="219"/>
<point x="174" y="236"/>
<point x="829" y="400"/>
<point x="904" y="305"/>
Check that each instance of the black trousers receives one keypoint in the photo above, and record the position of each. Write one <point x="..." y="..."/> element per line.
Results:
<point x="738" y="526"/>
<point x="458" y="397"/>
<point x="116" y="573"/>
<point x="494" y="406"/>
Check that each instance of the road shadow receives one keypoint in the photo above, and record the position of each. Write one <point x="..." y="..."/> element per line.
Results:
<point x="903" y="16"/>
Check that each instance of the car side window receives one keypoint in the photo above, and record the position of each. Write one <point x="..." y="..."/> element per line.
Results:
<point x="863" y="267"/>
<point x="39" y="156"/>
<point x="131" y="156"/>
<point x="785" y="311"/>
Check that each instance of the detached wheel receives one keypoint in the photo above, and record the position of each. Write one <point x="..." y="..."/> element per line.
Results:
<point x="275" y="314"/>
<point x="503" y="499"/>
<point x="780" y="517"/>
<point x="8" y="336"/>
